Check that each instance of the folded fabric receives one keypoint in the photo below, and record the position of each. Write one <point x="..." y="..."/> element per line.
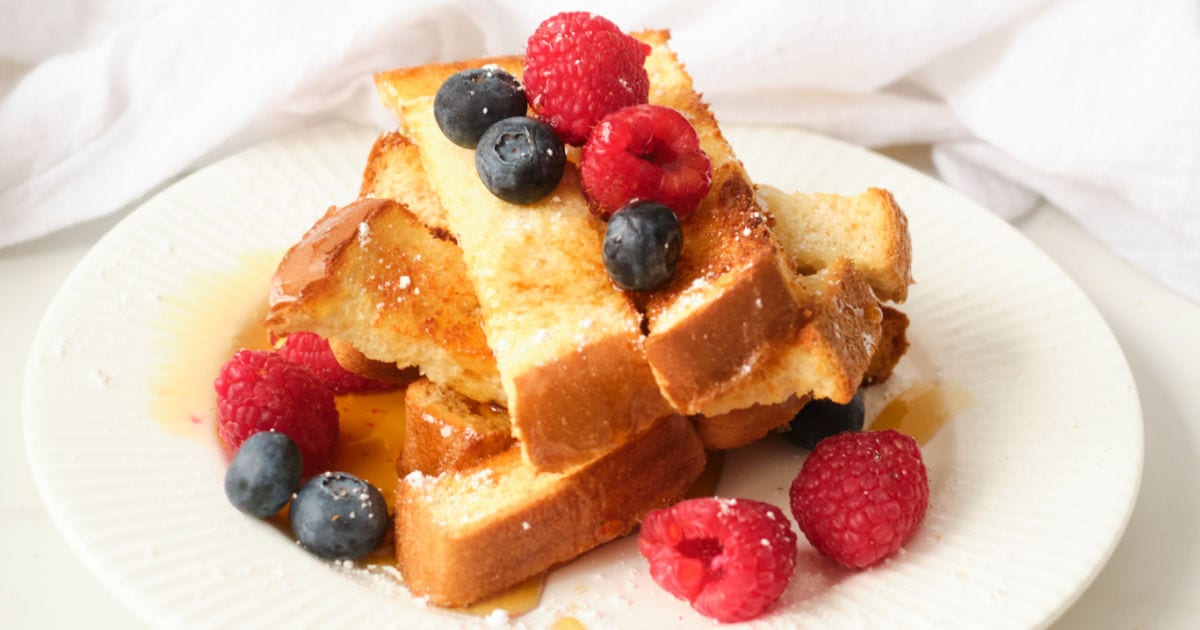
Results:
<point x="1091" y="105"/>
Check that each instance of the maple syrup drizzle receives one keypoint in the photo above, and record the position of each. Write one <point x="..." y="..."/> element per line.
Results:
<point x="371" y="424"/>
<point x="516" y="600"/>
<point x="567" y="623"/>
<point x="180" y="406"/>
<point x="922" y="409"/>
<point x="371" y="433"/>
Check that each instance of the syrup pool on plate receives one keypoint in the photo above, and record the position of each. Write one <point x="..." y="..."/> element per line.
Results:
<point x="922" y="409"/>
<point x="184" y="402"/>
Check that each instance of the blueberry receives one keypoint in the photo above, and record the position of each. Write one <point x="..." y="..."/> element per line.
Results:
<point x="264" y="474"/>
<point x="520" y="159"/>
<point x="642" y="245"/>
<point x="472" y="100"/>
<point x="339" y="516"/>
<point x="822" y="418"/>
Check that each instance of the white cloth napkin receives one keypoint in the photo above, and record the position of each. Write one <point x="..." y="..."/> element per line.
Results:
<point x="1093" y="105"/>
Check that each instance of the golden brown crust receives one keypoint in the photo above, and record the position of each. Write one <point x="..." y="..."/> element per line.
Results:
<point x="373" y="276"/>
<point x="843" y="334"/>
<point x="585" y="403"/>
<point x="308" y="266"/>
<point x="446" y="431"/>
<point x="830" y="351"/>
<point x="892" y="346"/>
<point x="703" y="340"/>
<point x="730" y="307"/>
<point x="529" y="520"/>
<point x="354" y="361"/>
<point x="375" y="174"/>
<point x="744" y="426"/>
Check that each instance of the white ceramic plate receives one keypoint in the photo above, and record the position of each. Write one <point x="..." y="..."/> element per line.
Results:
<point x="1031" y="486"/>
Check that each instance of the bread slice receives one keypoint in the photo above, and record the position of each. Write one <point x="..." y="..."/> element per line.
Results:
<point x="394" y="171"/>
<point x="446" y="431"/>
<point x="461" y="536"/>
<point x="568" y="343"/>
<point x="869" y="229"/>
<point x="737" y="327"/>
<point x="371" y="275"/>
<point x="733" y="303"/>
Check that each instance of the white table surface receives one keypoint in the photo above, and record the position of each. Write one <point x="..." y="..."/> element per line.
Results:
<point x="1151" y="581"/>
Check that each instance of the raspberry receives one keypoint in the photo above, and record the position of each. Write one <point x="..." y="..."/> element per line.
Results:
<point x="645" y="152"/>
<point x="258" y="390"/>
<point x="578" y="68"/>
<point x="731" y="558"/>
<point x="311" y="351"/>
<point x="861" y="495"/>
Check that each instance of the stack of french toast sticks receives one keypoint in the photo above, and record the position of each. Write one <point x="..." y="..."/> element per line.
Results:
<point x="553" y="409"/>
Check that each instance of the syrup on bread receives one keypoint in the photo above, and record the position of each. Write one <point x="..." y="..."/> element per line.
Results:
<point x="362" y="275"/>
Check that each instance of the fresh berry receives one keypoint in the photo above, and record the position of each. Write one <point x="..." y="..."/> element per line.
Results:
<point x="520" y="159"/>
<point x="264" y="474"/>
<point x="730" y="558"/>
<point x="339" y="516"/>
<point x="642" y="245"/>
<point x="472" y="100"/>
<point x="860" y="496"/>
<point x="312" y="351"/>
<point x="645" y="152"/>
<point x="258" y="390"/>
<point x="821" y="418"/>
<point x="580" y="67"/>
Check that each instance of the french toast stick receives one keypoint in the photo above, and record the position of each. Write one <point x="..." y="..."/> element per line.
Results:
<point x="371" y="275"/>
<point x="461" y="536"/>
<point x="733" y="303"/>
<point x="446" y="431"/>
<point x="560" y="330"/>
<point x="868" y="228"/>
<point x="736" y="326"/>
